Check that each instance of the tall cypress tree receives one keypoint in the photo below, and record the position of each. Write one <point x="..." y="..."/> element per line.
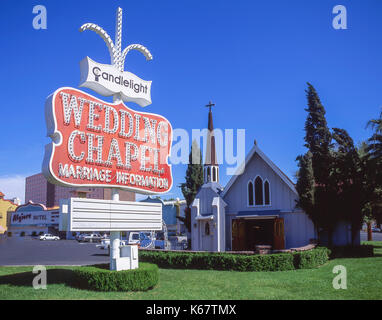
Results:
<point x="337" y="182"/>
<point x="305" y="186"/>
<point x="194" y="180"/>
<point x="350" y="180"/>
<point x="317" y="137"/>
<point x="318" y="141"/>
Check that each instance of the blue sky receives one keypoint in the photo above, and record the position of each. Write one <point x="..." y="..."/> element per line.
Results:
<point x="252" y="58"/>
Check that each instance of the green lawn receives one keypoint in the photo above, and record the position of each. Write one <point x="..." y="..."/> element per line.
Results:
<point x="364" y="282"/>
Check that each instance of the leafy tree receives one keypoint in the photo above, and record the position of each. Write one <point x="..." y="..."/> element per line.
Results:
<point x="374" y="147"/>
<point x="373" y="158"/>
<point x="194" y="180"/>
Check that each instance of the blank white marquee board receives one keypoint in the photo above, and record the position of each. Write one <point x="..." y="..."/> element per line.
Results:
<point x="82" y="214"/>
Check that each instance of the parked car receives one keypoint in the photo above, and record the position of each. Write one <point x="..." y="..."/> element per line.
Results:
<point x="105" y="244"/>
<point x="134" y="238"/>
<point x="140" y="238"/>
<point x="93" y="237"/>
<point x="376" y="230"/>
<point x="80" y="237"/>
<point x="48" y="236"/>
<point x="178" y="242"/>
<point x="161" y="242"/>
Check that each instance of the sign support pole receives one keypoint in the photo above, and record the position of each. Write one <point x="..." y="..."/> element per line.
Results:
<point x="115" y="236"/>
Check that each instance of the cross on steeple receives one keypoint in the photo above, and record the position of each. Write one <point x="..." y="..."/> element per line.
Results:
<point x="210" y="104"/>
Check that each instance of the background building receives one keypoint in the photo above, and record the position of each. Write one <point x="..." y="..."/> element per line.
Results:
<point x="170" y="210"/>
<point x="39" y="190"/>
<point x="33" y="219"/>
<point x="6" y="208"/>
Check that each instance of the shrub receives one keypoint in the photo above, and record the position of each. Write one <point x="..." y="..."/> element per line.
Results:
<point x="9" y="234"/>
<point x="361" y="251"/>
<point x="99" y="278"/>
<point x="34" y="233"/>
<point x="236" y="262"/>
<point x="311" y="258"/>
<point x="22" y="234"/>
<point x="41" y="233"/>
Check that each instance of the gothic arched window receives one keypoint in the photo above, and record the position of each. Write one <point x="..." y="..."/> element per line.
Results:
<point x="259" y="191"/>
<point x="214" y="174"/>
<point x="208" y="174"/>
<point x="267" y="198"/>
<point x="250" y="193"/>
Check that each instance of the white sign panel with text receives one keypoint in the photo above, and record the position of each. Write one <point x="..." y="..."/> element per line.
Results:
<point x="81" y="214"/>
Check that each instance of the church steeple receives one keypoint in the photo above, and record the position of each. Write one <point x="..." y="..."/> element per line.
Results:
<point x="211" y="167"/>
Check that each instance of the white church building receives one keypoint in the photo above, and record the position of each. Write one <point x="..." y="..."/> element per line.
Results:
<point x="257" y="207"/>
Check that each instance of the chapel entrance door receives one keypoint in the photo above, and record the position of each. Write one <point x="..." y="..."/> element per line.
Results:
<point x="278" y="234"/>
<point x="238" y="235"/>
<point x="207" y="237"/>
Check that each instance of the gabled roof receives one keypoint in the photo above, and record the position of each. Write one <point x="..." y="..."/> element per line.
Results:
<point x="256" y="150"/>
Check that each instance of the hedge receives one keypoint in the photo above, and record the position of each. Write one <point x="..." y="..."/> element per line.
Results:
<point x="100" y="278"/>
<point x="236" y="262"/>
<point x="311" y="258"/>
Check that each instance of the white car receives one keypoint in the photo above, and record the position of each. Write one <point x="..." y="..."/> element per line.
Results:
<point x="105" y="244"/>
<point x="48" y="236"/>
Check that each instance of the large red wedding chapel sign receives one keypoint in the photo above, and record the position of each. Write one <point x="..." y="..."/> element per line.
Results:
<point x="96" y="143"/>
<point x="101" y="144"/>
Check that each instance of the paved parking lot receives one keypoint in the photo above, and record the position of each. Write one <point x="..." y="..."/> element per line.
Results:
<point x="29" y="251"/>
<point x="377" y="236"/>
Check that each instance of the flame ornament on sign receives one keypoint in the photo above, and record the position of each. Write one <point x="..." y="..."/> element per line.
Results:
<point x="112" y="79"/>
